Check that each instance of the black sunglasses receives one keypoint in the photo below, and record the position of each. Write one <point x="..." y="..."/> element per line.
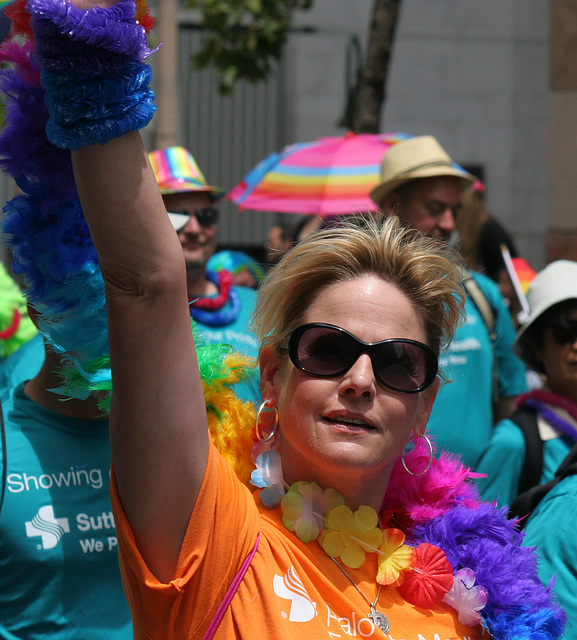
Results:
<point x="564" y="330"/>
<point x="206" y="216"/>
<point x="326" y="351"/>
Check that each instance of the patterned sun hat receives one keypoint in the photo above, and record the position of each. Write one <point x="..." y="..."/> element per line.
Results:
<point x="176" y="171"/>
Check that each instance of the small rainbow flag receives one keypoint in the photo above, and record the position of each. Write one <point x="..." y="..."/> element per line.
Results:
<point x="525" y="273"/>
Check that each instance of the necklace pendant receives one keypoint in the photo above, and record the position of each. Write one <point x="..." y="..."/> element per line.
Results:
<point x="380" y="619"/>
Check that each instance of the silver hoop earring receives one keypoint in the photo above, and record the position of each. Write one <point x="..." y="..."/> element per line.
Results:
<point x="430" y="445"/>
<point x="258" y="428"/>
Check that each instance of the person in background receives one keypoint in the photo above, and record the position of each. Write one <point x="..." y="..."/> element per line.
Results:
<point x="352" y="321"/>
<point x="482" y="236"/>
<point x="423" y="187"/>
<point x="552" y="507"/>
<point x="307" y="225"/>
<point x="221" y="310"/>
<point x="550" y="530"/>
<point x="527" y="448"/>
<point x="246" y="272"/>
<point x="21" y="348"/>
<point x="60" y="577"/>
<point x="281" y="237"/>
<point x="482" y="240"/>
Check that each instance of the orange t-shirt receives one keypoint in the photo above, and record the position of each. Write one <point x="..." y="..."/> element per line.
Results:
<point x="291" y="591"/>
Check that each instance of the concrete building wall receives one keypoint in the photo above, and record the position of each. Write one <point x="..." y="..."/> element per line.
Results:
<point x="474" y="73"/>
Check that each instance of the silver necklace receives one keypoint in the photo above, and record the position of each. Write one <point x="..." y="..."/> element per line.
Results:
<point x="380" y="619"/>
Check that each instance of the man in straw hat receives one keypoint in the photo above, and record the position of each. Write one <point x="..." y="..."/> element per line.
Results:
<point x="422" y="185"/>
<point x="221" y="310"/>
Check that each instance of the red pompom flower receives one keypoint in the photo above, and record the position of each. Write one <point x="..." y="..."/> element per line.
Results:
<point x="430" y="579"/>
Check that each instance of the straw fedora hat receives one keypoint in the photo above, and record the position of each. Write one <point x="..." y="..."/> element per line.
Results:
<point x="418" y="157"/>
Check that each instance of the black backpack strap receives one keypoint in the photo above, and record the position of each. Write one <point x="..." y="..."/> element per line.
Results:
<point x="4" y="458"/>
<point x="525" y="504"/>
<point x="526" y="419"/>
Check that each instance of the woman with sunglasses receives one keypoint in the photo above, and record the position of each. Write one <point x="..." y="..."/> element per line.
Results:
<point x="537" y="437"/>
<point x="350" y="536"/>
<point x="551" y="524"/>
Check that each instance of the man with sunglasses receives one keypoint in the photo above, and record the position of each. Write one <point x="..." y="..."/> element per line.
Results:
<point x="422" y="185"/>
<point x="221" y="310"/>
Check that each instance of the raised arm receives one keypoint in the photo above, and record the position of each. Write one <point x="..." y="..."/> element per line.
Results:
<point x="158" y="420"/>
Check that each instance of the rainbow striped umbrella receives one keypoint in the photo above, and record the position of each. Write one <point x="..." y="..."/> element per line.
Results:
<point x="328" y="176"/>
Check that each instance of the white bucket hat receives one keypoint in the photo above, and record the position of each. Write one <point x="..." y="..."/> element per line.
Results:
<point x="556" y="283"/>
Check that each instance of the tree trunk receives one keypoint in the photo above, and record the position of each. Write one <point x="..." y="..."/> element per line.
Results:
<point x="166" y="119"/>
<point x="370" y="91"/>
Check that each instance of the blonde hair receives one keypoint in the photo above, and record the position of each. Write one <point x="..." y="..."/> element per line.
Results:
<point x="470" y="220"/>
<point x="426" y="272"/>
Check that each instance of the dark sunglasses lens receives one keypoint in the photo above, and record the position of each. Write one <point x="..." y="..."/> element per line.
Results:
<point x="323" y="351"/>
<point x="207" y="216"/>
<point x="403" y="366"/>
<point x="564" y="331"/>
<point x="398" y="364"/>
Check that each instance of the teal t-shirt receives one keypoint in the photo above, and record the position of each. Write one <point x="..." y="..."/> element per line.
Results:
<point x="23" y="364"/>
<point x="59" y="574"/>
<point x="238" y="335"/>
<point x="502" y="462"/>
<point x="551" y="529"/>
<point x="462" y="418"/>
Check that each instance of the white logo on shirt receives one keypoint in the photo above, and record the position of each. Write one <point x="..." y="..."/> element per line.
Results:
<point x="290" y="587"/>
<point x="49" y="528"/>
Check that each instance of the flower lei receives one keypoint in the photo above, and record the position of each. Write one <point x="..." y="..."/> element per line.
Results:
<point x="215" y="312"/>
<point x="440" y="544"/>
<point x="422" y="574"/>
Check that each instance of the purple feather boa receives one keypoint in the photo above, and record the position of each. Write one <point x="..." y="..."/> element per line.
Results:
<point x="115" y="29"/>
<point x="442" y="508"/>
<point x="486" y="542"/>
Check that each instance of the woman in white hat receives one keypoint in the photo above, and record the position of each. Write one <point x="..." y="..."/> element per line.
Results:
<point x="553" y="506"/>
<point x="527" y="448"/>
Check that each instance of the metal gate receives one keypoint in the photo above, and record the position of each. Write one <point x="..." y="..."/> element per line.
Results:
<point x="228" y="135"/>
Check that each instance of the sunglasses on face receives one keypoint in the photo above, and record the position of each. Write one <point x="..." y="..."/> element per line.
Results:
<point x="327" y="351"/>
<point x="564" y="331"/>
<point x="205" y="216"/>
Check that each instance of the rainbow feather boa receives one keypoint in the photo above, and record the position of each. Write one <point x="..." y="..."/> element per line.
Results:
<point x="48" y="236"/>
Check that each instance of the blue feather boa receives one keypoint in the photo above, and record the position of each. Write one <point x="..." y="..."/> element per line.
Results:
<point x="44" y="225"/>
<point x="484" y="540"/>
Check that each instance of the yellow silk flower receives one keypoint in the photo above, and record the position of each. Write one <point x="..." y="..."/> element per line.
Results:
<point x="303" y="507"/>
<point x="349" y="534"/>
<point x="395" y="558"/>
